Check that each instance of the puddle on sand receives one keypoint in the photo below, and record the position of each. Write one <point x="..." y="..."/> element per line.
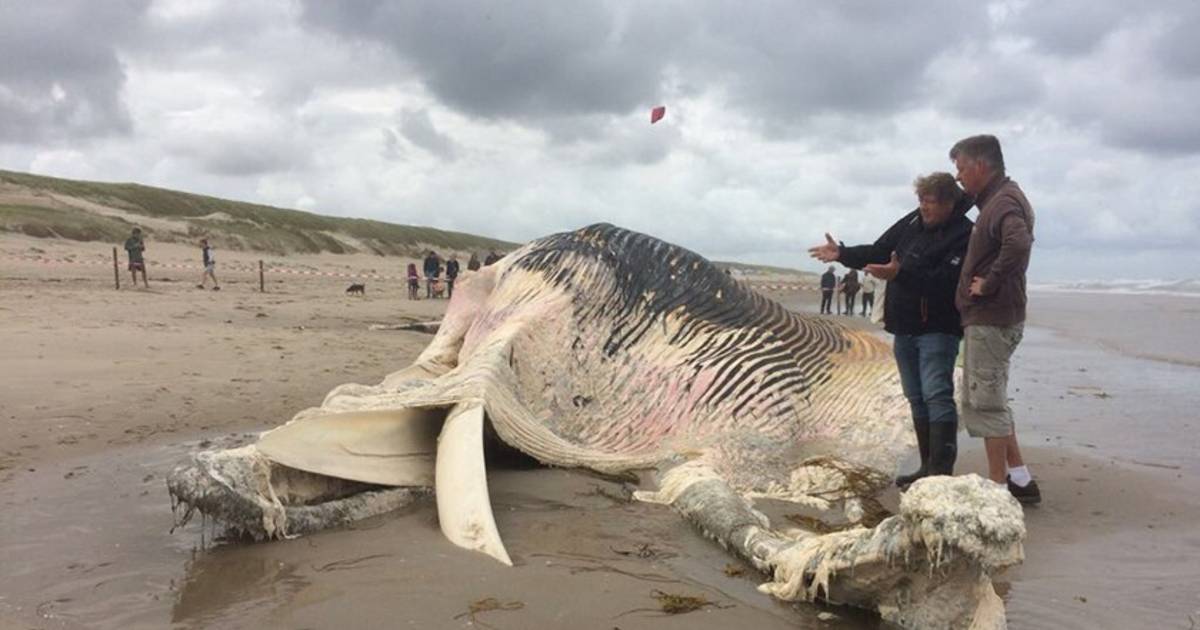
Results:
<point x="86" y="543"/>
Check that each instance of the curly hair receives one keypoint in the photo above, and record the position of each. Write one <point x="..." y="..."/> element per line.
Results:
<point x="940" y="185"/>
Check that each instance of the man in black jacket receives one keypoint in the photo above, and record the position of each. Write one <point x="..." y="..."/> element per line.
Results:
<point x="432" y="268"/>
<point x="828" y="284"/>
<point x="920" y="257"/>
<point x="451" y="275"/>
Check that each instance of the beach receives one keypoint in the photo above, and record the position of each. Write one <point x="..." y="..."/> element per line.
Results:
<point x="105" y="390"/>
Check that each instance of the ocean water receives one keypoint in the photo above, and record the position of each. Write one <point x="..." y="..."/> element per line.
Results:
<point x="1189" y="287"/>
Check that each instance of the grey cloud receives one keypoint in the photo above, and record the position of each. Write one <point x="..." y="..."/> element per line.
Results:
<point x="1169" y="127"/>
<point x="392" y="150"/>
<point x="418" y="128"/>
<point x="607" y="141"/>
<point x="239" y="160"/>
<point x="244" y="153"/>
<point x="790" y="61"/>
<point x="1066" y="27"/>
<point x="781" y="61"/>
<point x="1177" y="48"/>
<point x="262" y="48"/>
<point x="520" y="60"/>
<point x="61" y="77"/>
<point x="988" y="88"/>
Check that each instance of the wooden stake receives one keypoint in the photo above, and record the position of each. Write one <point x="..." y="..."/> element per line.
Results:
<point x="262" y="287"/>
<point x="116" y="270"/>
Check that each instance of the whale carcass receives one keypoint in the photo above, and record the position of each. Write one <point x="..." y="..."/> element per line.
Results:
<point x="613" y="351"/>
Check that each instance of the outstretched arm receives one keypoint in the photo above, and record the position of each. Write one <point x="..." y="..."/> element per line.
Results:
<point x="877" y="253"/>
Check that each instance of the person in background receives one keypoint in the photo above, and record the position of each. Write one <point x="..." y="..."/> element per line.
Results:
<point x="850" y="287"/>
<point x="135" y="247"/>
<point x="414" y="282"/>
<point x="839" y="294"/>
<point x="991" y="297"/>
<point x="210" y="266"/>
<point x="473" y="262"/>
<point x="451" y="275"/>
<point x="432" y="267"/>
<point x="492" y="257"/>
<point x="920" y="257"/>
<point x="828" y="284"/>
<point x="868" y="291"/>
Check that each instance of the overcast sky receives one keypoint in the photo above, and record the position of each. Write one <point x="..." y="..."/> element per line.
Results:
<point x="517" y="119"/>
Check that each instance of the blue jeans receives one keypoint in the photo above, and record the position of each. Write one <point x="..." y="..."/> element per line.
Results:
<point x="926" y="364"/>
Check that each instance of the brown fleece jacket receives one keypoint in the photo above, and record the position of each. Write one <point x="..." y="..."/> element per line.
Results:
<point x="999" y="253"/>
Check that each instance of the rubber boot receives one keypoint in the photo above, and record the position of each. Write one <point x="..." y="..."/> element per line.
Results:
<point x="943" y="447"/>
<point x="921" y="427"/>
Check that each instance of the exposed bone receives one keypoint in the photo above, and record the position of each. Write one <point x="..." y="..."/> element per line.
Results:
<point x="464" y="507"/>
<point x="928" y="567"/>
<point x="250" y="496"/>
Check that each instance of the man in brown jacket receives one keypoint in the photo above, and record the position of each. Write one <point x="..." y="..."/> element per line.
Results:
<point x="991" y="300"/>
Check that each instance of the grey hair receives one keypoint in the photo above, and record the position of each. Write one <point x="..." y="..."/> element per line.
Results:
<point x="983" y="148"/>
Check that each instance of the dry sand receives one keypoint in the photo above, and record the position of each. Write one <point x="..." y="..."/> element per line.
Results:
<point x="103" y="391"/>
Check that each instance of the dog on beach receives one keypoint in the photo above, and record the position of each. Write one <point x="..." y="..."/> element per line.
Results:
<point x="357" y="288"/>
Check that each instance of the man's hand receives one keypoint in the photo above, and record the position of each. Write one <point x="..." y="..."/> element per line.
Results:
<point x="885" y="272"/>
<point x="826" y="252"/>
<point x="976" y="289"/>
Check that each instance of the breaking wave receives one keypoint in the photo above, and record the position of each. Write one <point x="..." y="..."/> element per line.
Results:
<point x="1189" y="287"/>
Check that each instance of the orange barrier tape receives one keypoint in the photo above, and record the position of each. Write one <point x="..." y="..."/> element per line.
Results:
<point x="306" y="272"/>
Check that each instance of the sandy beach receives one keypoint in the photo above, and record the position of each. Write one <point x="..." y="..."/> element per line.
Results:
<point x="105" y="390"/>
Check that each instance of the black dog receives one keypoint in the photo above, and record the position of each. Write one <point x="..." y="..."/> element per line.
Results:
<point x="360" y="289"/>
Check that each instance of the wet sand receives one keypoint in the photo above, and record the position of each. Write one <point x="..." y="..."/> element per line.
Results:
<point x="105" y="391"/>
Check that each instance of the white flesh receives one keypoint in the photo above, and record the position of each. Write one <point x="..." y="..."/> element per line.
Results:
<point x="392" y="447"/>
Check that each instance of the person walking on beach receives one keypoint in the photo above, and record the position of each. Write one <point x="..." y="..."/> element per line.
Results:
<point x="432" y="267"/>
<point x="868" y="291"/>
<point x="473" y="262"/>
<point x="991" y="297"/>
<point x="492" y="257"/>
<point x="451" y="275"/>
<point x="414" y="282"/>
<point x="919" y="258"/>
<point x="210" y="266"/>
<point x="850" y="288"/>
<point x="135" y="247"/>
<point x="828" y="283"/>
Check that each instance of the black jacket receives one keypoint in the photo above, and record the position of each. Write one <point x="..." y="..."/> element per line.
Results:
<point x="920" y="299"/>
<point x="432" y="266"/>
<point x="828" y="280"/>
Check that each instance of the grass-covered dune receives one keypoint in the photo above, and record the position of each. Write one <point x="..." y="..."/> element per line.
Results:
<point x="100" y="211"/>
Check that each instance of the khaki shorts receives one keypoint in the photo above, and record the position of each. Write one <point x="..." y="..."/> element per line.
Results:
<point x="986" y="354"/>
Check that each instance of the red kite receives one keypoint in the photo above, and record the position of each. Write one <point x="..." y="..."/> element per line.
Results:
<point x="657" y="113"/>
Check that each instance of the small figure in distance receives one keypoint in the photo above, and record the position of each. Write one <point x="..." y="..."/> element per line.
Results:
<point x="210" y="266"/>
<point x="414" y="282"/>
<point x="135" y="247"/>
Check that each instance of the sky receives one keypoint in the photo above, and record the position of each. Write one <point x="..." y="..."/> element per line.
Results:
<point x="517" y="119"/>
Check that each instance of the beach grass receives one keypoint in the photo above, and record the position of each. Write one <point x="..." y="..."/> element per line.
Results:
<point x="68" y="223"/>
<point x="233" y="224"/>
